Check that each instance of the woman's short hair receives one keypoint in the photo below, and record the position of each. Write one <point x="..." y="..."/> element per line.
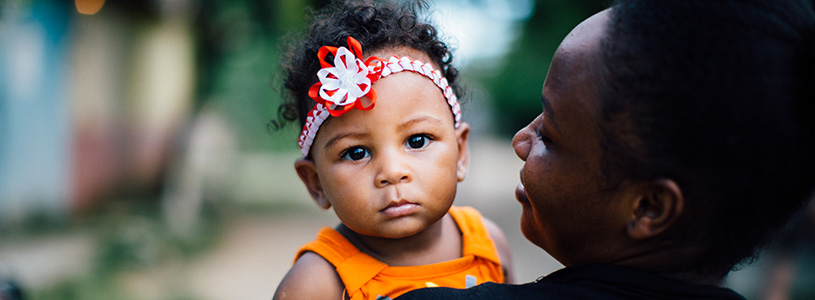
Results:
<point x="718" y="95"/>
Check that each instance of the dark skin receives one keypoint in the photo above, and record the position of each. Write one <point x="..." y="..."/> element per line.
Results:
<point x="568" y="209"/>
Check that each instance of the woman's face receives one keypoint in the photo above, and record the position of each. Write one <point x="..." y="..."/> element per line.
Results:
<point x="566" y="211"/>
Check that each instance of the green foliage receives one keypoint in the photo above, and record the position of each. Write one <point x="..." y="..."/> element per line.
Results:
<point x="516" y="89"/>
<point x="238" y="58"/>
<point x="239" y="52"/>
<point x="38" y="220"/>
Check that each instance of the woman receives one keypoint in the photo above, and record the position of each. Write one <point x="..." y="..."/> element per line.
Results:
<point x="676" y="138"/>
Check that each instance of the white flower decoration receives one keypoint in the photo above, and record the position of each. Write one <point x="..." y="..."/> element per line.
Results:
<point x="347" y="79"/>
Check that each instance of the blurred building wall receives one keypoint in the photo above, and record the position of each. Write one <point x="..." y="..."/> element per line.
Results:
<point x="133" y="85"/>
<point x="35" y="119"/>
<point x="92" y="106"/>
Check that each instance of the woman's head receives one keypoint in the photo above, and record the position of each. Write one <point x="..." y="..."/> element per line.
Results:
<point x="717" y="96"/>
<point x="565" y="210"/>
<point x="377" y="25"/>
<point x="675" y="135"/>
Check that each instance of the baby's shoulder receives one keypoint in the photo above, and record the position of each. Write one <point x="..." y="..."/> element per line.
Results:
<point x="502" y="246"/>
<point x="311" y="277"/>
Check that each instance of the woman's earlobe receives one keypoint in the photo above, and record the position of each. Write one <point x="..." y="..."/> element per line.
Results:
<point x="656" y="208"/>
<point x="307" y="171"/>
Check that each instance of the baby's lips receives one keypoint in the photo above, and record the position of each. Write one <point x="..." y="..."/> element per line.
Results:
<point x="399" y="209"/>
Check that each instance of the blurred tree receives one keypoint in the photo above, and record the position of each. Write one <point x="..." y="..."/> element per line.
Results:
<point x="238" y="55"/>
<point x="516" y="88"/>
<point x="239" y="51"/>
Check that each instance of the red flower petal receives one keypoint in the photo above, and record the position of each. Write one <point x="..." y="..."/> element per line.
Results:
<point x="355" y="46"/>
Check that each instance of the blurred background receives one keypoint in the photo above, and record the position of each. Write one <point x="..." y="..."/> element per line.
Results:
<point x="136" y="161"/>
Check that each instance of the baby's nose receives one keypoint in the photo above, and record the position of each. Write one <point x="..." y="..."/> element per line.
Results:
<point x="392" y="170"/>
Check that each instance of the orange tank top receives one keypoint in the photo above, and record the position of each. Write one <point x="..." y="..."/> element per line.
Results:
<point x="368" y="278"/>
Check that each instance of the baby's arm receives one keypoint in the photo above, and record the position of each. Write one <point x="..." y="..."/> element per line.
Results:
<point x="502" y="246"/>
<point x="311" y="277"/>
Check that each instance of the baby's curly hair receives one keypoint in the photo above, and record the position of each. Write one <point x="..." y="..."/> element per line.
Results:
<point x="376" y="25"/>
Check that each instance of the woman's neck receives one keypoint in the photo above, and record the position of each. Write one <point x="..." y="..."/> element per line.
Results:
<point x="672" y="262"/>
<point x="440" y="242"/>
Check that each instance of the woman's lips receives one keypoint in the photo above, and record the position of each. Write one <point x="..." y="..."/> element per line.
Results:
<point x="520" y="194"/>
<point x="402" y="208"/>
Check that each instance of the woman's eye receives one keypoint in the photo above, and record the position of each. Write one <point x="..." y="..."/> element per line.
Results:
<point x="355" y="153"/>
<point x="417" y="141"/>
<point x="542" y="137"/>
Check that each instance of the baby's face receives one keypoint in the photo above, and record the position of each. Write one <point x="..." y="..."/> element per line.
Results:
<point x="392" y="171"/>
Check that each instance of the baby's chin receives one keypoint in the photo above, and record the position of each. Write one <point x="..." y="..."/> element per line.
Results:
<point x="404" y="227"/>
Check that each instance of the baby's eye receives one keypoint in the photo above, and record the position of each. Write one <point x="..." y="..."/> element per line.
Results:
<point x="355" y="153"/>
<point x="417" y="141"/>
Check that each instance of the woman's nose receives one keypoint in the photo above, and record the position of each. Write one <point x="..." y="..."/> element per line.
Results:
<point x="522" y="141"/>
<point x="393" y="169"/>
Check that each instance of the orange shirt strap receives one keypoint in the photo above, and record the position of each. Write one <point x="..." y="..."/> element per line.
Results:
<point x="477" y="240"/>
<point x="356" y="268"/>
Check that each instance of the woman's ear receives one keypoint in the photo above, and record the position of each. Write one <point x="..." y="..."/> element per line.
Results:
<point x="657" y="206"/>
<point x="308" y="174"/>
<point x="462" y="135"/>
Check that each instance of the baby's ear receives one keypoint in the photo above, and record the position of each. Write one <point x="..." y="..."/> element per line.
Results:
<point x="656" y="207"/>
<point x="462" y="134"/>
<point x="308" y="174"/>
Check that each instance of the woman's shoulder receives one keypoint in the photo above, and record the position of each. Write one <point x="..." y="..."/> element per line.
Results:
<point x="584" y="282"/>
<point x="488" y="290"/>
<point x="502" y="246"/>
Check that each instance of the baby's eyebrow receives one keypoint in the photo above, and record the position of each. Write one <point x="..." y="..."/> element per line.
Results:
<point x="335" y="139"/>
<point x="421" y="119"/>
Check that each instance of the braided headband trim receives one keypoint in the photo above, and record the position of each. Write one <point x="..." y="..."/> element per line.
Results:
<point x="346" y="84"/>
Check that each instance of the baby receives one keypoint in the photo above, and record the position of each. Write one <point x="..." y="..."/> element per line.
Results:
<point x="384" y="145"/>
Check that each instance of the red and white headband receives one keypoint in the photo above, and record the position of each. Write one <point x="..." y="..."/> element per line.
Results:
<point x="346" y="84"/>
